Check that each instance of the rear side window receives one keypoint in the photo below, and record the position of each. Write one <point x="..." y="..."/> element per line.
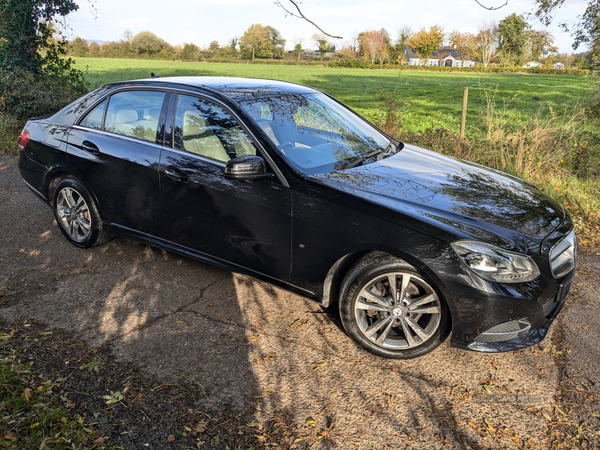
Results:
<point x="95" y="117"/>
<point x="134" y="114"/>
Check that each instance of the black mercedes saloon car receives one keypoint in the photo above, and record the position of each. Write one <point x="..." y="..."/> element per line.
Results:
<point x="284" y="183"/>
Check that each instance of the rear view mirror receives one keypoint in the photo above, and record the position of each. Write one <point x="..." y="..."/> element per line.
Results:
<point x="248" y="167"/>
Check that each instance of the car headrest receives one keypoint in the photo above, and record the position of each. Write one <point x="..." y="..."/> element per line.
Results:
<point x="151" y="113"/>
<point x="193" y="124"/>
<point x="126" y="116"/>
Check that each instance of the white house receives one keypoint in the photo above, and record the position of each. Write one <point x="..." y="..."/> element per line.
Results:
<point x="558" y="65"/>
<point x="444" y="57"/>
<point x="531" y="64"/>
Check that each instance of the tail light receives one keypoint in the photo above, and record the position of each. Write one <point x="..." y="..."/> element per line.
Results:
<point x="23" y="139"/>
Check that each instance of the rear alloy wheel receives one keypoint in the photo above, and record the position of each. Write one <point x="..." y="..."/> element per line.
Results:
<point x="389" y="309"/>
<point x="77" y="215"/>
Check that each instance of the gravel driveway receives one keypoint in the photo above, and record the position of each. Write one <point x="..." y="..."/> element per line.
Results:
<point x="259" y="348"/>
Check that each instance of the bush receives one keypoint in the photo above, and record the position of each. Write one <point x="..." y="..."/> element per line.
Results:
<point x="353" y="64"/>
<point x="29" y="95"/>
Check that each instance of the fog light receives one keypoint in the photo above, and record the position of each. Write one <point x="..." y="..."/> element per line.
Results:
<point x="505" y="331"/>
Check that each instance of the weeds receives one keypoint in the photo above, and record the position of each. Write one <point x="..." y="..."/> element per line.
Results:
<point x="552" y="149"/>
<point x="34" y="414"/>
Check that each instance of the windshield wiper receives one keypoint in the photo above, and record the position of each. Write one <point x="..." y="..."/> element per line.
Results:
<point x="388" y="151"/>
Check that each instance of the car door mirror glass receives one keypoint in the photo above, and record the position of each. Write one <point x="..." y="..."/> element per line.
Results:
<point x="250" y="167"/>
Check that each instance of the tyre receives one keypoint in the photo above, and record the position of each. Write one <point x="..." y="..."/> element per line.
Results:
<point x="77" y="215"/>
<point x="392" y="310"/>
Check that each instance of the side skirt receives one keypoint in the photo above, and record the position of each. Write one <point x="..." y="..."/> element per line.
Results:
<point x="190" y="253"/>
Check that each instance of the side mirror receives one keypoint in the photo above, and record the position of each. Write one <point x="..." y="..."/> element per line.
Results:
<point x="249" y="167"/>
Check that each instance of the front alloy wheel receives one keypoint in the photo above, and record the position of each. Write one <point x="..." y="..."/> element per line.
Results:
<point x="397" y="311"/>
<point x="390" y="309"/>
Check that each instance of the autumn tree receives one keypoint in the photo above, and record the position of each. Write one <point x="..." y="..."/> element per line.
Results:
<point x="464" y="43"/>
<point x="425" y="43"/>
<point x="78" y="47"/>
<point x="261" y="42"/>
<point x="214" y="46"/>
<point x="512" y="39"/>
<point x="146" y="42"/>
<point x="94" y="50"/>
<point x="347" y="52"/>
<point x="541" y="43"/>
<point x="486" y="42"/>
<point x="189" y="53"/>
<point x="372" y="46"/>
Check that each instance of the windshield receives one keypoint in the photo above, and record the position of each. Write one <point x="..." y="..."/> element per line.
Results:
<point x="315" y="133"/>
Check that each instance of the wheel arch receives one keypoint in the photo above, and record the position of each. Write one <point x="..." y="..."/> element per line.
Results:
<point x="337" y="273"/>
<point x="56" y="174"/>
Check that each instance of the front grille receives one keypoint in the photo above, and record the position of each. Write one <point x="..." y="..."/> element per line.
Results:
<point x="505" y="331"/>
<point x="563" y="254"/>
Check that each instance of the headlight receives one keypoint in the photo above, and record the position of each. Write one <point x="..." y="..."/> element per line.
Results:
<point x="495" y="264"/>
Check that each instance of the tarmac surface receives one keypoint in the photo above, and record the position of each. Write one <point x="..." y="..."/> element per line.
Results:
<point x="253" y="345"/>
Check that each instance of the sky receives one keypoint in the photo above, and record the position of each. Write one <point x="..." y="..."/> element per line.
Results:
<point x="203" y="21"/>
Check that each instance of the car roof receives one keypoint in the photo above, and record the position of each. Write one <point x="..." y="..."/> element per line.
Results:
<point x="233" y="87"/>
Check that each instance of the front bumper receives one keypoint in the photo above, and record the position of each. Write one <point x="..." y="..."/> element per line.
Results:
<point x="497" y="317"/>
<point x="531" y="336"/>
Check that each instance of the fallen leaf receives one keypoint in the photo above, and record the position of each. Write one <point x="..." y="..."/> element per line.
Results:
<point x="27" y="394"/>
<point x="201" y="427"/>
<point x="171" y="438"/>
<point x="70" y="405"/>
<point x="100" y="441"/>
<point x="491" y="428"/>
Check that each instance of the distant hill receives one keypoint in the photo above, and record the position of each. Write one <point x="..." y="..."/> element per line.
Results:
<point x="89" y="41"/>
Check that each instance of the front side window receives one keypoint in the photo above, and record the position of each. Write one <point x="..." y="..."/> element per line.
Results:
<point x="134" y="114"/>
<point x="315" y="133"/>
<point x="205" y="129"/>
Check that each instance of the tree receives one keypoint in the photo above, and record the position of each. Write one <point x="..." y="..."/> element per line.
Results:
<point x="95" y="50"/>
<point x="425" y="43"/>
<point x="277" y="42"/>
<point x="255" y="41"/>
<point x="189" y="52"/>
<point x="78" y="47"/>
<point x="486" y="41"/>
<point x="404" y="34"/>
<point x="298" y="47"/>
<point x="566" y="58"/>
<point x="464" y="43"/>
<point x="371" y="45"/>
<point x="541" y="43"/>
<point x="322" y="43"/>
<point x="26" y="28"/>
<point x="233" y="43"/>
<point x="214" y="46"/>
<point x="146" y="42"/>
<point x="261" y="42"/>
<point x="512" y="39"/>
<point x="585" y="31"/>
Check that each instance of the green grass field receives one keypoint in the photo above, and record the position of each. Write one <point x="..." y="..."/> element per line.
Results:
<point x="430" y="100"/>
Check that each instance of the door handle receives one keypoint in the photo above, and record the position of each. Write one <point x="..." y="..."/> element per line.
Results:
<point x="176" y="174"/>
<point x="90" y="147"/>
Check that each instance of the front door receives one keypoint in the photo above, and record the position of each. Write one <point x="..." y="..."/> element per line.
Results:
<point x="247" y="223"/>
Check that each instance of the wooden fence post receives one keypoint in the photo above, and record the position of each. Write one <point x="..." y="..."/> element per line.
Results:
<point x="463" y="119"/>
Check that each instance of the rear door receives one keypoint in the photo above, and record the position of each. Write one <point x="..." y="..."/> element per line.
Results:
<point x="247" y="223"/>
<point x="115" y="150"/>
